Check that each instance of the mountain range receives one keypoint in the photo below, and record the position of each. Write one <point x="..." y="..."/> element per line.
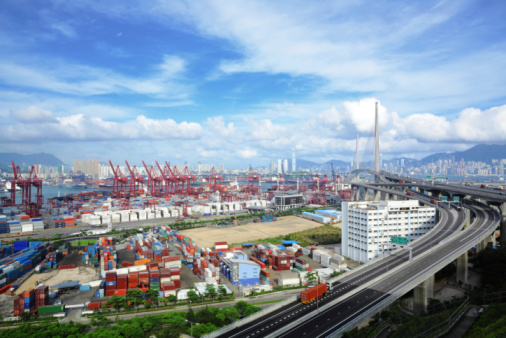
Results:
<point x="481" y="152"/>
<point x="27" y="160"/>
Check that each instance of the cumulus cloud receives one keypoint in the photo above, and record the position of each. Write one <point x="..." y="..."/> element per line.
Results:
<point x="33" y="114"/>
<point x="247" y="153"/>
<point x="217" y="126"/>
<point x="81" y="127"/>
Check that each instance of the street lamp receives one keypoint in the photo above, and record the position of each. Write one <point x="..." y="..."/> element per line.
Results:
<point x="191" y="326"/>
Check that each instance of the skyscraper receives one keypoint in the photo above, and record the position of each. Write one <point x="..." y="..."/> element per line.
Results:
<point x="280" y="168"/>
<point x="285" y="166"/>
<point x="294" y="167"/>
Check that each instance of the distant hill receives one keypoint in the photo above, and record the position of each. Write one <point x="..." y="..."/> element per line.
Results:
<point x="28" y="160"/>
<point x="481" y="152"/>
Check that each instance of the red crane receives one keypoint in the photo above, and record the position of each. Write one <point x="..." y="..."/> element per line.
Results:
<point x="253" y="183"/>
<point x="155" y="183"/>
<point x="189" y="178"/>
<point x="136" y="181"/>
<point x="214" y="178"/>
<point x="32" y="209"/>
<point x="119" y="185"/>
<point x="168" y="178"/>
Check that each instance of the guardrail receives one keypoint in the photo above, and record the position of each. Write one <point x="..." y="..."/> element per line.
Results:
<point x="448" y="323"/>
<point x="402" y="289"/>
<point x="251" y="317"/>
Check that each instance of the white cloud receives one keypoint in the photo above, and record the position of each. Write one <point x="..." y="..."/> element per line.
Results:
<point x="217" y="126"/>
<point x="81" y="80"/>
<point x="82" y="127"/>
<point x="33" y="114"/>
<point x="247" y="153"/>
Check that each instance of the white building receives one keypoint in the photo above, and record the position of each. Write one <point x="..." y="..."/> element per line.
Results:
<point x="285" y="166"/>
<point x="280" y="168"/>
<point x="368" y="226"/>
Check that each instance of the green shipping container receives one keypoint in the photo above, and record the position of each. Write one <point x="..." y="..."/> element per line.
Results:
<point x="51" y="309"/>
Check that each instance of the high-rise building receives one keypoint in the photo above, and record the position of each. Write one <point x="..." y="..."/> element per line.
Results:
<point x="272" y="169"/>
<point x="222" y="167"/>
<point x="294" y="161"/>
<point x="280" y="168"/>
<point x="285" y="166"/>
<point x="367" y="227"/>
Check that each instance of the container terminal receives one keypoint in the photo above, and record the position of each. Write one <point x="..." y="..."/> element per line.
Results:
<point x="80" y="275"/>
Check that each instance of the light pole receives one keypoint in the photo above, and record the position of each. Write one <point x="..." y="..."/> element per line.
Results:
<point x="317" y="285"/>
<point x="191" y="326"/>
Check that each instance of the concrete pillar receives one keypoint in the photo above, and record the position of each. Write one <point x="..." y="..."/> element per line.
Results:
<point x="395" y="197"/>
<point x="467" y="222"/>
<point x="481" y="245"/>
<point x="422" y="293"/>
<point x="502" y="227"/>
<point x="462" y="269"/>
<point x="377" y="195"/>
<point x="384" y="196"/>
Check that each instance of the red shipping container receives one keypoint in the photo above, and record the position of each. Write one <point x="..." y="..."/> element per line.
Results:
<point x="109" y="293"/>
<point x="125" y="263"/>
<point x="177" y="283"/>
<point x="175" y="271"/>
<point x="120" y="293"/>
<point x="93" y="306"/>
<point x="313" y="293"/>
<point x="110" y="276"/>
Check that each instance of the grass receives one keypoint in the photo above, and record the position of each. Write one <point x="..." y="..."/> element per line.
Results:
<point x="84" y="242"/>
<point x="325" y="234"/>
<point x="268" y="302"/>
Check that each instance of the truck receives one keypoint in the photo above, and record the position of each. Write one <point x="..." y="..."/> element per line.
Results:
<point x="313" y="293"/>
<point x="409" y="193"/>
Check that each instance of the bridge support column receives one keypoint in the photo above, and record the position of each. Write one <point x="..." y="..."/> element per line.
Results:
<point x="462" y="269"/>
<point x="377" y="195"/>
<point x="481" y="245"/>
<point x="503" y="222"/>
<point x="384" y="196"/>
<point x="467" y="222"/>
<point x="422" y="293"/>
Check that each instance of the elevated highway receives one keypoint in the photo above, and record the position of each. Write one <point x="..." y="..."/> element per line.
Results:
<point x="356" y="296"/>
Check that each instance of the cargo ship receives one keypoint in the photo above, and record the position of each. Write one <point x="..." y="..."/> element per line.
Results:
<point x="71" y="184"/>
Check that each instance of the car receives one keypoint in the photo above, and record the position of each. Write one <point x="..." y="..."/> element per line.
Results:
<point x="57" y="302"/>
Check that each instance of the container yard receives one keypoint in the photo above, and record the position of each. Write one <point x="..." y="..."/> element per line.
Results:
<point x="38" y="275"/>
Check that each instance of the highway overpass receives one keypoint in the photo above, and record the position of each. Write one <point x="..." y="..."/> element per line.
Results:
<point x="363" y="292"/>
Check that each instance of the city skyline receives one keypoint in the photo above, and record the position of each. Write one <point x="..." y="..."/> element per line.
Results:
<point x="243" y="83"/>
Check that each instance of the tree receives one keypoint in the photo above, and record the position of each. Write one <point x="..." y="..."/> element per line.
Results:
<point x="163" y="300"/>
<point x="172" y="298"/>
<point x="153" y="296"/>
<point x="193" y="296"/>
<point x="200" y="330"/>
<point x="311" y="277"/>
<point x="135" y="297"/>
<point x="211" y="291"/>
<point x="335" y="273"/>
<point x="117" y="302"/>
<point x="190" y="315"/>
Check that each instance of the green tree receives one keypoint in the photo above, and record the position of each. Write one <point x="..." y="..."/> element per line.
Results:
<point x="335" y="273"/>
<point x="190" y="315"/>
<point x="210" y="291"/>
<point x="193" y="296"/>
<point x="163" y="300"/>
<point x="153" y="296"/>
<point x="135" y="297"/>
<point x="172" y="299"/>
<point x="230" y="313"/>
<point x="117" y="302"/>
<point x="311" y="277"/>
<point x="200" y="330"/>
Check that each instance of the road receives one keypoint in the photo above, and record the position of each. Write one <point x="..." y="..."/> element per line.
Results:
<point x="349" y="299"/>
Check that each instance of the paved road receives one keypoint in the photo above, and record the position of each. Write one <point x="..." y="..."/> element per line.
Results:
<point x="347" y="303"/>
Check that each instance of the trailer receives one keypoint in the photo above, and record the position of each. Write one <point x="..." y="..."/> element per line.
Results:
<point x="313" y="293"/>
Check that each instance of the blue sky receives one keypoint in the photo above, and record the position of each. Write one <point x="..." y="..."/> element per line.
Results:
<point x="243" y="82"/>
